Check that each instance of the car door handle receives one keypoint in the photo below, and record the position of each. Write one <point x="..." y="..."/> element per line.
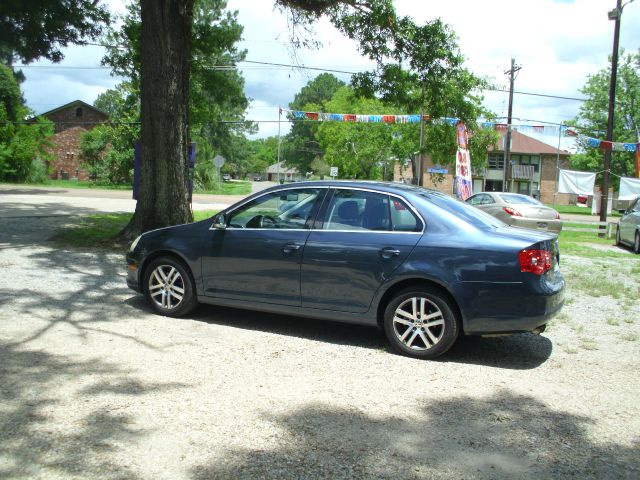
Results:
<point x="290" y="248"/>
<point x="389" y="252"/>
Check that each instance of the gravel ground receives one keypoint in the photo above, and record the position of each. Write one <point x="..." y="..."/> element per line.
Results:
<point x="93" y="385"/>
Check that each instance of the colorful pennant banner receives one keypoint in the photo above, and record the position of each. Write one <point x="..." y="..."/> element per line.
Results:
<point x="604" y="145"/>
<point x="348" y="117"/>
<point x="415" y="118"/>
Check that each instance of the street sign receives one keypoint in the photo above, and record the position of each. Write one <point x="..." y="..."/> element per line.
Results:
<point x="333" y="171"/>
<point x="219" y="161"/>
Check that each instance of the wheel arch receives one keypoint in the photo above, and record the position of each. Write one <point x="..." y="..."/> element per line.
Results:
<point x="166" y="253"/>
<point x="419" y="283"/>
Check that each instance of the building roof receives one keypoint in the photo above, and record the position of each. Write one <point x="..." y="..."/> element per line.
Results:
<point x="523" y="144"/>
<point x="282" y="169"/>
<point x="74" y="104"/>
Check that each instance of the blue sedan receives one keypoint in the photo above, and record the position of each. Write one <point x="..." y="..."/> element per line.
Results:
<point x="422" y="266"/>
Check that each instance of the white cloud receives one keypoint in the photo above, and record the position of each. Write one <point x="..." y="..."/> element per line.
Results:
<point x="557" y="43"/>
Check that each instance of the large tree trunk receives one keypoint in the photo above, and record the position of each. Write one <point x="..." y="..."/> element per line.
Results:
<point x="164" y="92"/>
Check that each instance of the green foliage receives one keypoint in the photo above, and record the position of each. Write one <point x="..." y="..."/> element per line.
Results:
<point x="301" y="144"/>
<point x="593" y="116"/>
<point x="217" y="100"/>
<point x="20" y="143"/>
<point x="108" y="150"/>
<point x="419" y="68"/>
<point x="359" y="150"/>
<point x="215" y="94"/>
<point x="38" y="28"/>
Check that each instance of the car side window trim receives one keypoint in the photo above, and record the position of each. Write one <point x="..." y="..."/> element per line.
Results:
<point x="321" y="205"/>
<point x="319" y="223"/>
<point x="323" y="190"/>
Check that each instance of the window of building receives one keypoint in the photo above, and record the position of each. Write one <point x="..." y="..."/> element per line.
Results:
<point x="79" y="112"/>
<point x="496" y="161"/>
<point x="528" y="160"/>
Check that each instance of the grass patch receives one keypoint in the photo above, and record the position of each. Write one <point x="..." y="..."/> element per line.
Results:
<point x="588" y="343"/>
<point x="629" y="337"/>
<point x="102" y="230"/>
<point x="94" y="231"/>
<point x="613" y="322"/>
<point x="574" y="209"/>
<point x="74" y="184"/>
<point x="235" y="187"/>
<point x="576" y="327"/>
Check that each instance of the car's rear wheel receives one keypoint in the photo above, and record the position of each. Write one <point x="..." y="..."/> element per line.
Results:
<point x="618" y="242"/>
<point x="420" y="323"/>
<point x="636" y="243"/>
<point x="168" y="287"/>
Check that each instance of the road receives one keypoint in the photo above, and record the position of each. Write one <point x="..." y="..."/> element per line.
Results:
<point x="20" y="201"/>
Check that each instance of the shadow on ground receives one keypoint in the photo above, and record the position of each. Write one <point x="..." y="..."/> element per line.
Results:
<point x="37" y="441"/>
<point x="504" y="436"/>
<point x="518" y="352"/>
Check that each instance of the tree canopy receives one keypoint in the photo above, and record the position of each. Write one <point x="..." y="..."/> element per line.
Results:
<point x="216" y="95"/>
<point x="39" y="28"/>
<point x="592" y="117"/>
<point x="22" y="145"/>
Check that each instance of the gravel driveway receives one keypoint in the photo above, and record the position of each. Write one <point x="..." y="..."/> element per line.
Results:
<point x="93" y="385"/>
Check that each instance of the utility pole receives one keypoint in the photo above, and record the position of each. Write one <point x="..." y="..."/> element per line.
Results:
<point x="604" y="201"/>
<point x="420" y="169"/>
<point x="507" y="147"/>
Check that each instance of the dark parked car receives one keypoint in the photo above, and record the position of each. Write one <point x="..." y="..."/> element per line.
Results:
<point x="417" y="263"/>
<point x="629" y="226"/>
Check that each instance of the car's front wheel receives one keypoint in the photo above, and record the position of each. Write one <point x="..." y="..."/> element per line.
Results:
<point x="636" y="243"/>
<point x="420" y="323"/>
<point x="618" y="241"/>
<point x="168" y="287"/>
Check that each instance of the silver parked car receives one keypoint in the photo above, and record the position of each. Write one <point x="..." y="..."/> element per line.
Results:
<point x="629" y="226"/>
<point x="518" y="210"/>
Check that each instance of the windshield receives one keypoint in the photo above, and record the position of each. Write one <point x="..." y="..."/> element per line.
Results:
<point x="519" y="199"/>
<point x="464" y="211"/>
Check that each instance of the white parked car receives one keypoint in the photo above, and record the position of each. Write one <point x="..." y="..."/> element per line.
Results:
<point x="518" y="210"/>
<point x="629" y="227"/>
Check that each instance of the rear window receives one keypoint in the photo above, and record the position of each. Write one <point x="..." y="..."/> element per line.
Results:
<point x="519" y="199"/>
<point x="464" y="211"/>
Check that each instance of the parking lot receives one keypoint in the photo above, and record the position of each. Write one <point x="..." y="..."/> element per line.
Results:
<point x="94" y="385"/>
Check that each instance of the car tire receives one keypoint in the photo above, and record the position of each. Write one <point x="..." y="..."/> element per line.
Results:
<point x="618" y="241"/>
<point x="169" y="288"/>
<point x="421" y="323"/>
<point x="636" y="243"/>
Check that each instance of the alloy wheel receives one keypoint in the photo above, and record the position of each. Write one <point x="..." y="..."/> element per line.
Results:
<point x="166" y="287"/>
<point x="418" y="323"/>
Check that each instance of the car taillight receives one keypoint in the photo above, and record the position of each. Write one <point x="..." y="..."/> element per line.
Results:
<point x="512" y="211"/>
<point x="535" y="261"/>
<point x="557" y="216"/>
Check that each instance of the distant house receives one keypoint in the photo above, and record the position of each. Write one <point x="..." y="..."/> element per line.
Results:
<point x="279" y="171"/>
<point x="533" y="170"/>
<point x="70" y="122"/>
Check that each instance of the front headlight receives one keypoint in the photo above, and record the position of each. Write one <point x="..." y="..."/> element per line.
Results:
<point x="135" y="243"/>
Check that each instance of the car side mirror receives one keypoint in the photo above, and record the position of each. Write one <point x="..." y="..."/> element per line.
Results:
<point x="220" y="222"/>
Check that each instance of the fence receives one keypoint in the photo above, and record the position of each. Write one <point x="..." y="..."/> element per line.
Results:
<point x="595" y="227"/>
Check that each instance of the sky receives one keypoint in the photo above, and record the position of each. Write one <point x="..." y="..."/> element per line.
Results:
<point x="557" y="44"/>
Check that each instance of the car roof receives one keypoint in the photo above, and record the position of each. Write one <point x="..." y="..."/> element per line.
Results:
<point x="390" y="187"/>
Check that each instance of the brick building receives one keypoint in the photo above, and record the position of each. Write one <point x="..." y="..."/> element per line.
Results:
<point x="70" y="122"/>
<point x="533" y="170"/>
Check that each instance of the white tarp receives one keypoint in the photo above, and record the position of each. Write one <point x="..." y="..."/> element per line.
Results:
<point x="629" y="188"/>
<point x="578" y="183"/>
